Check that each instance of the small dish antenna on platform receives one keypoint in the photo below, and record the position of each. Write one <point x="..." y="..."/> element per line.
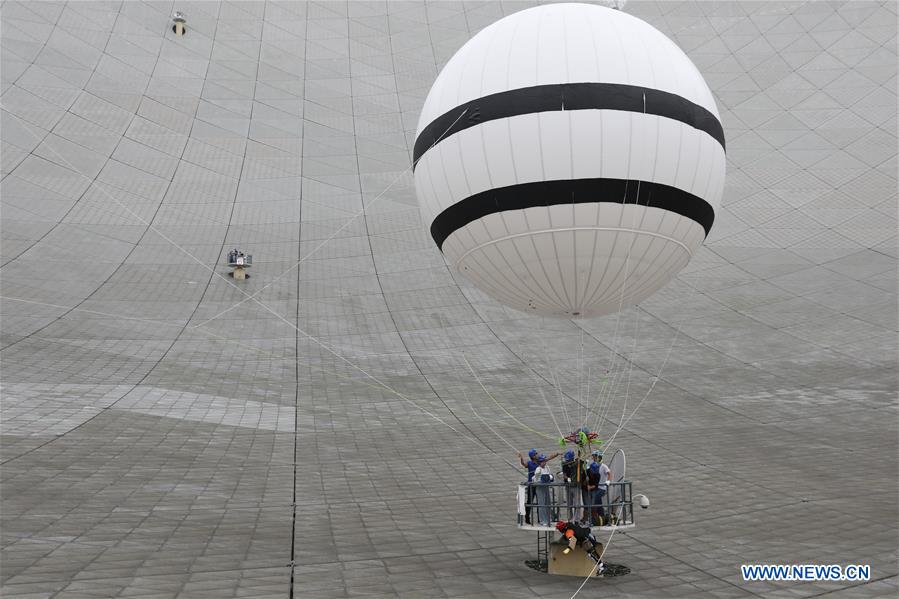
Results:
<point x="618" y="466"/>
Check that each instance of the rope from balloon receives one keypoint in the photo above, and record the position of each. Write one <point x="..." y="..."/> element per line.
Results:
<point x="501" y="407"/>
<point x="484" y="422"/>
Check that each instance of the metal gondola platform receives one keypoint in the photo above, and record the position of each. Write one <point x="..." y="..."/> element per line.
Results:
<point x="541" y="506"/>
<point x="564" y="502"/>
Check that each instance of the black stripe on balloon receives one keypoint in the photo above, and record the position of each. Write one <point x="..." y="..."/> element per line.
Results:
<point x="571" y="191"/>
<point x="567" y="96"/>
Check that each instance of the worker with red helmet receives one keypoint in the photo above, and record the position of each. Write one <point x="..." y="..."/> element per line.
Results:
<point x="575" y="535"/>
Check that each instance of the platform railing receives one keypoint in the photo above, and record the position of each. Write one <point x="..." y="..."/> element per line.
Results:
<point x="545" y="504"/>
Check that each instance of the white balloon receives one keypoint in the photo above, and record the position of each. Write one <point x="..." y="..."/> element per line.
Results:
<point x="569" y="160"/>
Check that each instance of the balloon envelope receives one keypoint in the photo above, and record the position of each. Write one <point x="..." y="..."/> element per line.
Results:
<point x="569" y="160"/>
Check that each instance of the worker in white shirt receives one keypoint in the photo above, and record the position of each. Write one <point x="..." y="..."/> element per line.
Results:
<point x="542" y="477"/>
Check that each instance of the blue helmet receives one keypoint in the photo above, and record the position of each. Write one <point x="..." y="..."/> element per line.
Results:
<point x="569" y="455"/>
<point x="532" y="453"/>
<point x="542" y="457"/>
<point x="594" y="466"/>
<point x="596" y="453"/>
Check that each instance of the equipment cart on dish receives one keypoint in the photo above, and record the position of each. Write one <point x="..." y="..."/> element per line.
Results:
<point x="239" y="262"/>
